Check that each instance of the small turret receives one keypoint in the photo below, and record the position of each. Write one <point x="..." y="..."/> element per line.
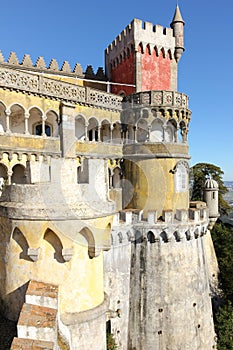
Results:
<point x="177" y="25"/>
<point x="210" y="193"/>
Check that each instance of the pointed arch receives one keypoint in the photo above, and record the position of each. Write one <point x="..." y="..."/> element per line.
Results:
<point x="170" y="131"/>
<point x="148" y="50"/>
<point x="169" y="54"/>
<point x="17" y="118"/>
<point x="80" y="124"/>
<point x="2" y="117"/>
<point x="156" y="51"/>
<point x="52" y="120"/>
<point x="116" y="133"/>
<point x="52" y="238"/>
<point x="88" y="235"/>
<point x="140" y="48"/>
<point x="105" y="131"/>
<point x="164" y="237"/>
<point x="162" y="53"/>
<point x="181" y="179"/>
<point x="156" y="134"/>
<point x="142" y="130"/>
<point x="93" y="129"/>
<point x="35" y="118"/>
<point x="151" y="237"/>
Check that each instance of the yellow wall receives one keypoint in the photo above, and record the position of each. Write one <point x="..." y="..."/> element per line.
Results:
<point x="80" y="280"/>
<point x="153" y="185"/>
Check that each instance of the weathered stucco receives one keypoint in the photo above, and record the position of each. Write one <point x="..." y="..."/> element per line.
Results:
<point x="94" y="202"/>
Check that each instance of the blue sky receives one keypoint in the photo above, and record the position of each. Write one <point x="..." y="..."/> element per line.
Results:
<point x="79" y="31"/>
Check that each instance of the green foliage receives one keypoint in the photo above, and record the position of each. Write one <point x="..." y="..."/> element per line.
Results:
<point x="201" y="172"/>
<point x="224" y="327"/>
<point x="111" y="344"/>
<point x="223" y="243"/>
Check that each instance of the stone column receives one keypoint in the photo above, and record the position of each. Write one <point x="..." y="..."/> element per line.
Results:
<point x="9" y="174"/>
<point x="85" y="131"/>
<point x="99" y="129"/>
<point x="148" y="135"/>
<point x="135" y="128"/>
<point x="26" y="118"/>
<point x="43" y="125"/>
<point x="111" y="129"/>
<point x="67" y="130"/>
<point x="8" y="113"/>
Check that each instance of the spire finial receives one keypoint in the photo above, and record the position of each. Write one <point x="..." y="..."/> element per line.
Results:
<point x="177" y="16"/>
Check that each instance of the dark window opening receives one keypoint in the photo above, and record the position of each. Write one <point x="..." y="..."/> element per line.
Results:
<point x="39" y="129"/>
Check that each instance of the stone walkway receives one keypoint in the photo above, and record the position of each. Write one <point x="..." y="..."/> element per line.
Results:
<point x="8" y="331"/>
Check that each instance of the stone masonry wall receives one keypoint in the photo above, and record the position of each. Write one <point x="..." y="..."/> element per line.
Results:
<point x="170" y="304"/>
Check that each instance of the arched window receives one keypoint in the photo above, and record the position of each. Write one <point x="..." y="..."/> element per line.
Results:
<point x="83" y="172"/>
<point x="170" y="132"/>
<point x="116" y="179"/>
<point x="39" y="130"/>
<point x="17" y="119"/>
<point x="142" y="130"/>
<point x="156" y="134"/>
<point x="93" y="130"/>
<point x="181" y="177"/>
<point x="105" y="131"/>
<point x="151" y="237"/>
<point x="80" y="128"/>
<point x="18" y="176"/>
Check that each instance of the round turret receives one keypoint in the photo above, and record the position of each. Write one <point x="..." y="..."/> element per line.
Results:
<point x="177" y="25"/>
<point x="210" y="193"/>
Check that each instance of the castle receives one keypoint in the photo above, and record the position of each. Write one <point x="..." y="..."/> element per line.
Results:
<point x="97" y="230"/>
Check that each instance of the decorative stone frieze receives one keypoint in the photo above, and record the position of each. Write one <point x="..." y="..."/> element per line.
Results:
<point x="38" y="84"/>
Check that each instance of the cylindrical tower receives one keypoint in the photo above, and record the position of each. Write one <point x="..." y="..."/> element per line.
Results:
<point x="156" y="151"/>
<point x="210" y="194"/>
<point x="177" y="25"/>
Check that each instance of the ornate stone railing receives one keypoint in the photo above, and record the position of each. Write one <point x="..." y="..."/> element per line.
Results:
<point x="41" y="85"/>
<point x="160" y="98"/>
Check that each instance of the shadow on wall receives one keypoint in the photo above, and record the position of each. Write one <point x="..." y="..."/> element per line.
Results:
<point x="56" y="244"/>
<point x="20" y="239"/>
<point x="13" y="302"/>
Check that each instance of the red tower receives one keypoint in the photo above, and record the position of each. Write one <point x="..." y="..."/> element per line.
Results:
<point x="145" y="57"/>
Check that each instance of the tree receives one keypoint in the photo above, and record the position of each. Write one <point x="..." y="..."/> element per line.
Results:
<point x="200" y="172"/>
<point x="222" y="236"/>
<point x="224" y="327"/>
<point x="223" y="243"/>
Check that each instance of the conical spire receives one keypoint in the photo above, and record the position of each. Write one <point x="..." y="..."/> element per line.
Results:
<point x="177" y="16"/>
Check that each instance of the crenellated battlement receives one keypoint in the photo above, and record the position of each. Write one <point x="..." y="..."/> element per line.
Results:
<point x="144" y="34"/>
<point x="130" y="226"/>
<point x="40" y="65"/>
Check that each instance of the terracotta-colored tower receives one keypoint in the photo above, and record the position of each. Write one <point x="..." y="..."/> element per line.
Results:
<point x="145" y="57"/>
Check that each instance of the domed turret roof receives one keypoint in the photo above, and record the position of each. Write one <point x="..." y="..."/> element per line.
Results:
<point x="211" y="184"/>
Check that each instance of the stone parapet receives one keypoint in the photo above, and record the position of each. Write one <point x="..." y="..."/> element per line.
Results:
<point x="159" y="98"/>
<point x="171" y="227"/>
<point x="56" y="89"/>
